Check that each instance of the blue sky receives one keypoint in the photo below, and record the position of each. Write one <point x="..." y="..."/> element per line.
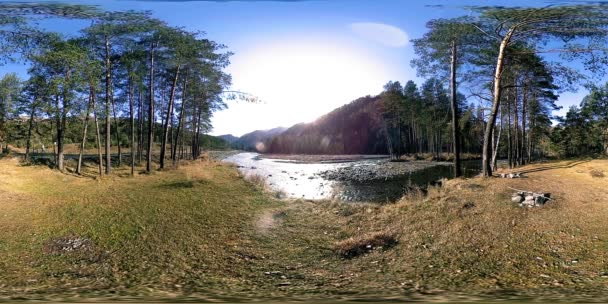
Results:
<point x="303" y="58"/>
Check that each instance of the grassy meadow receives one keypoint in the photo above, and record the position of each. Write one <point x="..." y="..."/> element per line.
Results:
<point x="203" y="232"/>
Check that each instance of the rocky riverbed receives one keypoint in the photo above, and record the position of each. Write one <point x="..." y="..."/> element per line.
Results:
<point x="377" y="170"/>
<point x="368" y="179"/>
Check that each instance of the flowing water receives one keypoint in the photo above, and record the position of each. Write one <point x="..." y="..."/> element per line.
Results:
<point x="305" y="180"/>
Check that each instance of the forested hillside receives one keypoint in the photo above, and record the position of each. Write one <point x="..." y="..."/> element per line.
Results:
<point x="229" y="138"/>
<point x="355" y="128"/>
<point x="255" y="141"/>
<point x="400" y="120"/>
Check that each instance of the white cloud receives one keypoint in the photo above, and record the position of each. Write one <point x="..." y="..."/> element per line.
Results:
<point x="384" y="34"/>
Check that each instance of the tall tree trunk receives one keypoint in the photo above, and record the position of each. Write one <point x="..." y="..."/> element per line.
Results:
<point x="486" y="156"/>
<point x="455" y="114"/>
<point x="530" y="134"/>
<point x="116" y="121"/>
<point x="140" y="124"/>
<point x="59" y="136"/>
<point x="523" y="123"/>
<point x="117" y="127"/>
<point x="168" y="118"/>
<point x="84" y="136"/>
<point x="196" y="137"/>
<point x="151" y="114"/>
<point x="180" y="125"/>
<point x="495" y="154"/>
<point x="509" y="135"/>
<point x="132" y="119"/>
<point x="29" y="131"/>
<point x="107" y="110"/>
<point x="516" y="127"/>
<point x="98" y="131"/>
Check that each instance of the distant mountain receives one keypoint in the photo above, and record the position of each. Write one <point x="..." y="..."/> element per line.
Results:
<point x="355" y="128"/>
<point x="229" y="138"/>
<point x="257" y="140"/>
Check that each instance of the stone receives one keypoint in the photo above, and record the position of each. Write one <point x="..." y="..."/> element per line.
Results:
<point x="469" y="205"/>
<point x="540" y="200"/>
<point x="528" y="203"/>
<point x="517" y="199"/>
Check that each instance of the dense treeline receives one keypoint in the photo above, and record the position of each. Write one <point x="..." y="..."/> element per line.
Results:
<point x="129" y="81"/>
<point x="42" y="138"/>
<point x="584" y="129"/>
<point x="251" y="141"/>
<point x="402" y="120"/>
<point x="495" y="54"/>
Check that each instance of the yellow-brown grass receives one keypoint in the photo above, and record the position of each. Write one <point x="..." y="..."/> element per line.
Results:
<point x="355" y="246"/>
<point x="196" y="231"/>
<point x="465" y="237"/>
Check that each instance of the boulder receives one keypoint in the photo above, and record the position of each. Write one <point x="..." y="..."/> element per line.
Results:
<point x="528" y="203"/>
<point x="542" y="198"/>
<point x="517" y="198"/>
<point x="530" y="199"/>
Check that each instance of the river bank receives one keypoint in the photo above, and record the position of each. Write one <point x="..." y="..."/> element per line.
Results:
<point x="357" y="178"/>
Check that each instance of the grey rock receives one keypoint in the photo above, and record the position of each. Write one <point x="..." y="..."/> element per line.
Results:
<point x="517" y="199"/>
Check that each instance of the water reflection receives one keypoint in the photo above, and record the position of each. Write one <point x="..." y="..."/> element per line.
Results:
<point x="302" y="180"/>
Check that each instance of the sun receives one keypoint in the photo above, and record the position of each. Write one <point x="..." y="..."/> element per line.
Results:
<point x="298" y="82"/>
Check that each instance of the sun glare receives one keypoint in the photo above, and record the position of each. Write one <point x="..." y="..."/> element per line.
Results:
<point x="301" y="82"/>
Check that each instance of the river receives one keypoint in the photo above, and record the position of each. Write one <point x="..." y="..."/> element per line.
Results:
<point x="367" y="180"/>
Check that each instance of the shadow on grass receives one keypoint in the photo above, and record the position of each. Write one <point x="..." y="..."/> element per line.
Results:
<point x="551" y="167"/>
<point x="179" y="184"/>
<point x="40" y="161"/>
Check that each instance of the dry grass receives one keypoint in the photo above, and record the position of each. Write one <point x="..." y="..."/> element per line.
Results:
<point x="170" y="232"/>
<point x="464" y="237"/>
<point x="257" y="180"/>
<point x="355" y="246"/>
<point x="597" y="173"/>
<point x="202" y="229"/>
